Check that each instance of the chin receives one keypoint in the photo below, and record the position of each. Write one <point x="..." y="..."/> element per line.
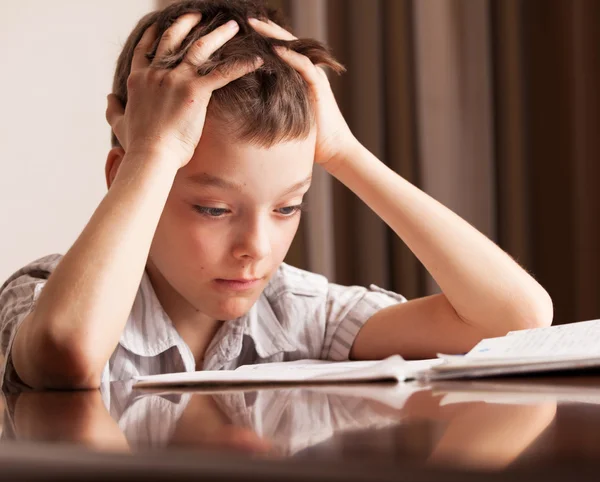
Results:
<point x="233" y="308"/>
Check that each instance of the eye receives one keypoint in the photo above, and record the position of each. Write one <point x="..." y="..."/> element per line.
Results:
<point x="289" y="211"/>
<point x="211" y="212"/>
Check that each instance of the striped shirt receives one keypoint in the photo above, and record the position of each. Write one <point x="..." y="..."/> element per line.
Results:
<point x="299" y="315"/>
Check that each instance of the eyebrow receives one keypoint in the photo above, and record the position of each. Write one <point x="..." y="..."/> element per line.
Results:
<point x="208" y="180"/>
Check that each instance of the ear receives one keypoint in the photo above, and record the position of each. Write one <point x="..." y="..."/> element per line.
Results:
<point x="113" y="161"/>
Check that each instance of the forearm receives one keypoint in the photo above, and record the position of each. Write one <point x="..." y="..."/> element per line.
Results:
<point x="483" y="284"/>
<point x="86" y="301"/>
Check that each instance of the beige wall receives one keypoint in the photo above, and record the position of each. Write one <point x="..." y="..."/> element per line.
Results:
<point x="57" y="61"/>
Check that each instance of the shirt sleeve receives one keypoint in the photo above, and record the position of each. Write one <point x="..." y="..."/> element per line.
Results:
<point x="17" y="300"/>
<point x="18" y="296"/>
<point x="347" y="310"/>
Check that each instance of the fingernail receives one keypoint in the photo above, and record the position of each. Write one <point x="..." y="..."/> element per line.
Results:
<point x="233" y="25"/>
<point x="252" y="20"/>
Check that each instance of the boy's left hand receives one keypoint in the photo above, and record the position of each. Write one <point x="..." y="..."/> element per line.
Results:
<point x="334" y="137"/>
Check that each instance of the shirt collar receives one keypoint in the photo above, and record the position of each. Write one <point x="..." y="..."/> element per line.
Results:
<point x="266" y="330"/>
<point x="260" y="324"/>
<point x="149" y="330"/>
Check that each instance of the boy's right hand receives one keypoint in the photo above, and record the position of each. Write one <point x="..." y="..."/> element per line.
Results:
<point x="166" y="108"/>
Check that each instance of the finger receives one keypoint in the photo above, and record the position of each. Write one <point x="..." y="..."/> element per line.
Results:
<point x="221" y="77"/>
<point x="173" y="37"/>
<point x="205" y="46"/>
<point x="139" y="59"/>
<point x="302" y="64"/>
<point x="270" y="29"/>
<point x="114" y="109"/>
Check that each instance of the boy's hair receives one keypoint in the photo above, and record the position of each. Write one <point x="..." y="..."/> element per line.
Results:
<point x="269" y="105"/>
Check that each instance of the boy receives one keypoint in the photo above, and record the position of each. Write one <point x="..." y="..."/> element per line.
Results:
<point x="181" y="266"/>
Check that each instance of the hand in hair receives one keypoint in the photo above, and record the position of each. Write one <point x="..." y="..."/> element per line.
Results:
<point x="166" y="108"/>
<point x="334" y="137"/>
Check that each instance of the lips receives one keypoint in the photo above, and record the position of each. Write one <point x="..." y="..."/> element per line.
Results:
<point x="240" y="284"/>
<point x="240" y="280"/>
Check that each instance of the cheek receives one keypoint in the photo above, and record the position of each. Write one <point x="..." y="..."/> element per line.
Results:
<point x="180" y="234"/>
<point x="284" y="237"/>
<point x="206" y="240"/>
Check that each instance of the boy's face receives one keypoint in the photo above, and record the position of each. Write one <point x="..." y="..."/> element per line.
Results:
<point x="230" y="216"/>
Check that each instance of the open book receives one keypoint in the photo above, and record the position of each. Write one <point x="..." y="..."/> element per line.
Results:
<point x="574" y="346"/>
<point x="302" y="371"/>
<point x="564" y="347"/>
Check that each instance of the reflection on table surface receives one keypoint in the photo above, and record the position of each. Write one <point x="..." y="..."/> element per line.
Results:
<point x="484" y="425"/>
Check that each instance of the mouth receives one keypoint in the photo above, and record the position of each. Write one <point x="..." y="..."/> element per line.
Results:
<point x="242" y="284"/>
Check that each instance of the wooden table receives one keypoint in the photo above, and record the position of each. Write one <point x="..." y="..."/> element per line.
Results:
<point x="546" y="428"/>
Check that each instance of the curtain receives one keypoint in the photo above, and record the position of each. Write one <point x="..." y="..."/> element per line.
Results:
<point x="547" y="58"/>
<point x="418" y="95"/>
<point x="492" y="108"/>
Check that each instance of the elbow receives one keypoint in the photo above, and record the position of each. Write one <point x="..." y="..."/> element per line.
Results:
<point x="536" y="311"/>
<point x="68" y="364"/>
<point x="546" y="311"/>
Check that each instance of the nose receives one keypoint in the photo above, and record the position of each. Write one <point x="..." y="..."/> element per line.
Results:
<point x="253" y="240"/>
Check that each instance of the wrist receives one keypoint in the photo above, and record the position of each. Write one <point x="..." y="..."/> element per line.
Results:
<point x="347" y="150"/>
<point x="146" y="164"/>
<point x="162" y="152"/>
<point x="155" y="154"/>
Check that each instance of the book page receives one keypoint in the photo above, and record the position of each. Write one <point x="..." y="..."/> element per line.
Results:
<point x="392" y="368"/>
<point x="317" y="367"/>
<point x="314" y="366"/>
<point x="576" y="339"/>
